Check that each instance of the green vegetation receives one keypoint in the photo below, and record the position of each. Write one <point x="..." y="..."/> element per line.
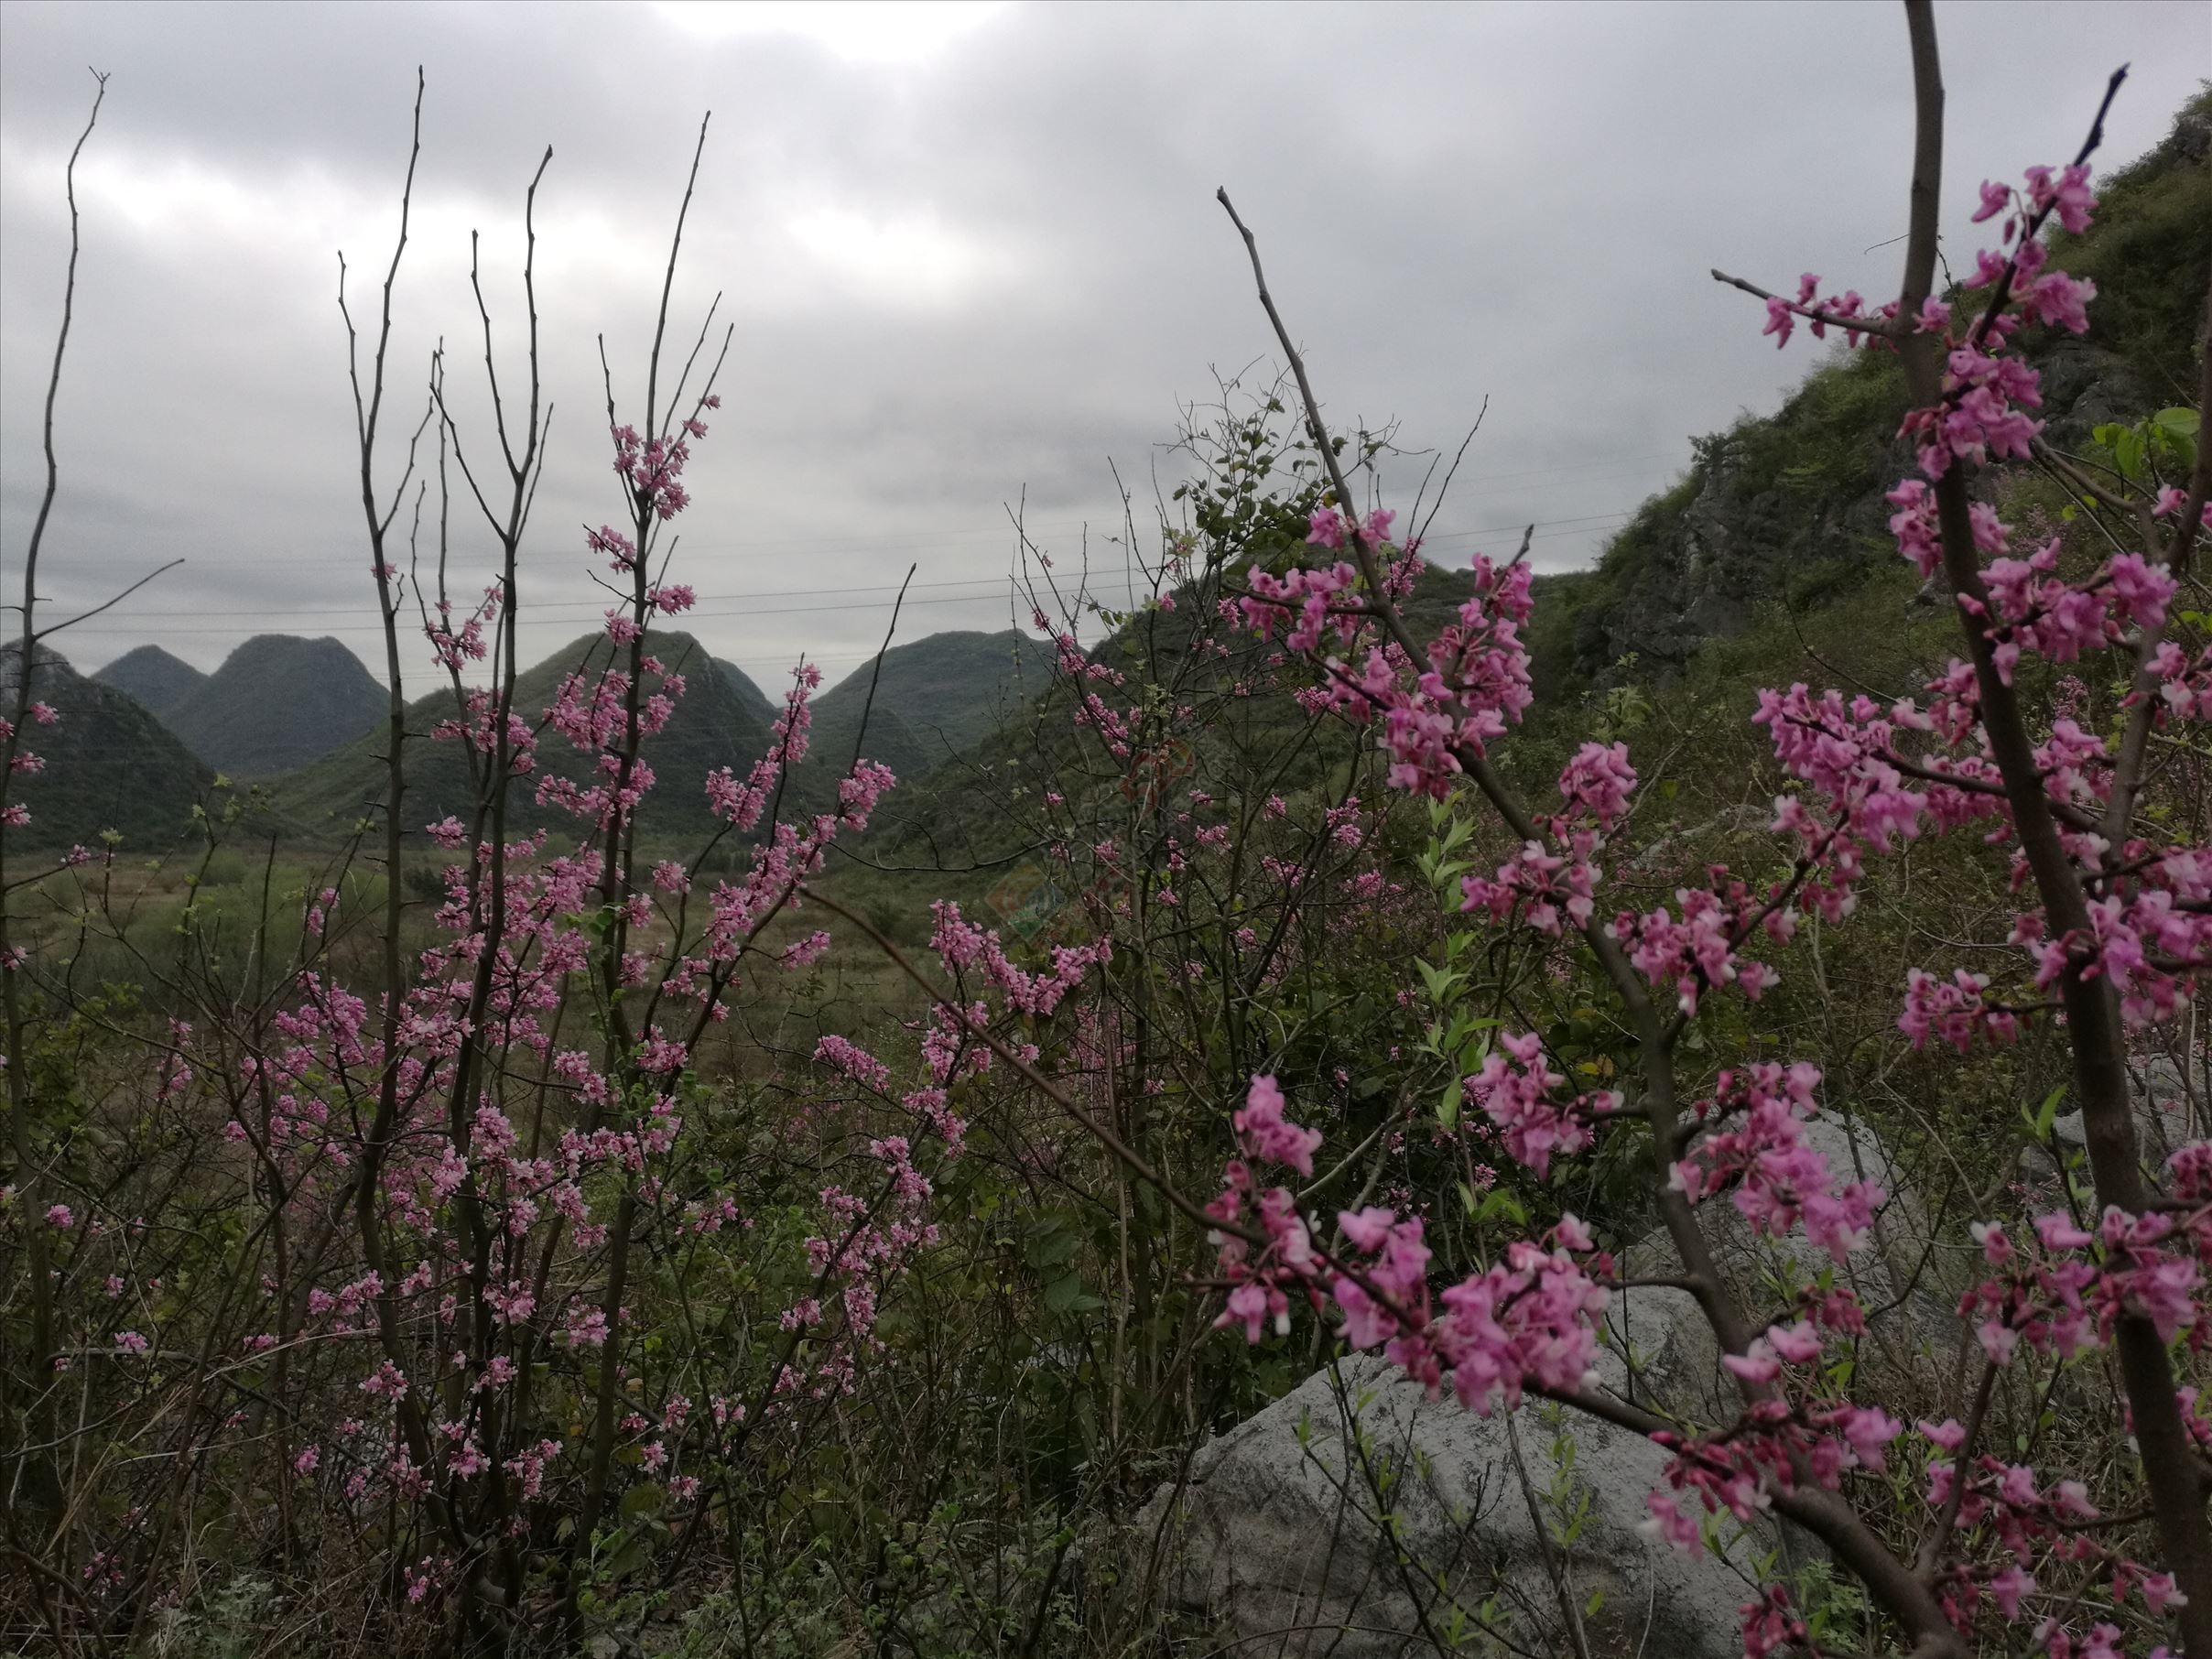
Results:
<point x="277" y="702"/>
<point x="153" y="678"/>
<point x="534" y="1278"/>
<point x="2146" y="253"/>
<point x="1790" y="506"/>
<point x="109" y="765"/>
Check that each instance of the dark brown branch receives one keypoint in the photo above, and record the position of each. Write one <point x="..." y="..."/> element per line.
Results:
<point x="37" y="1473"/>
<point x="2093" y="1016"/>
<point x="1887" y="328"/>
<point x="88" y="615"/>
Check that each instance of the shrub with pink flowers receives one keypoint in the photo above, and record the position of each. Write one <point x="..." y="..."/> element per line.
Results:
<point x="510" y="1239"/>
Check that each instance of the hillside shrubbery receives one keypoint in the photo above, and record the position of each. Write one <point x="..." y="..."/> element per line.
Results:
<point x="511" y="1220"/>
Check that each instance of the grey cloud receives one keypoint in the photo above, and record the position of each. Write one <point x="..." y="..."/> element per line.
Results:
<point x="1516" y="203"/>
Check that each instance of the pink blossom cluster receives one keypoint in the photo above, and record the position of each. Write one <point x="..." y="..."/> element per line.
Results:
<point x="1328" y="527"/>
<point x="1307" y="591"/>
<point x="1530" y="1319"/>
<point x="1475" y="686"/>
<point x="1514" y="1088"/>
<point x="1956" y="1011"/>
<point x="1788" y="1433"/>
<point x="1527" y="1320"/>
<point x="1697" y="951"/>
<point x="966" y="948"/>
<point x="652" y="467"/>
<point x="1776" y="1179"/>
<point x="2063" y="1298"/>
<point x="2024" y="1520"/>
<point x="1841" y="310"/>
<point x="455" y="648"/>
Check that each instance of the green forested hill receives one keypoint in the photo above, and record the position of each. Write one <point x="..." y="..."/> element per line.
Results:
<point x="1789" y="506"/>
<point x="967" y="810"/>
<point x="950" y="690"/>
<point x="110" y="764"/>
<point x="935" y="698"/>
<point x="747" y="691"/>
<point x="277" y="702"/>
<point x="710" y="728"/>
<point x="153" y="678"/>
<point x="956" y="686"/>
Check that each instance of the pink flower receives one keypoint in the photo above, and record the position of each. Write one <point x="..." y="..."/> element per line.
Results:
<point x="2159" y="1592"/>
<point x="60" y="1216"/>
<point x="1514" y="1089"/>
<point x="587" y="1327"/>
<point x="2142" y="591"/>
<point x="1946" y="1434"/>
<point x="2069" y="196"/>
<point x="1247" y="1307"/>
<point x="1366" y="1321"/>
<point x="1797" y="1344"/>
<point x="2057" y="1231"/>
<point x="1780" y="321"/>
<point x="1325" y="528"/>
<point x="1270" y="1137"/>
<point x="1867" y="1429"/>
<point x="1757" y="1366"/>
<point x="1366" y="1230"/>
<point x="1668" y="1520"/>
<point x="2006" y="1588"/>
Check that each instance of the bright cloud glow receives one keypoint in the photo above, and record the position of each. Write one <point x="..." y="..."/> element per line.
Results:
<point x="865" y="31"/>
<point x="915" y="261"/>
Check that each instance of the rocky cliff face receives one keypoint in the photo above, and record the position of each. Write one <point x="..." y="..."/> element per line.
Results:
<point x="1751" y="525"/>
<point x="1790" y="506"/>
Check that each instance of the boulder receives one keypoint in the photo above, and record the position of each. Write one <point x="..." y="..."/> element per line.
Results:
<point x="1673" y="1362"/>
<point x="1358" y="1518"/>
<point x="2166" y="1118"/>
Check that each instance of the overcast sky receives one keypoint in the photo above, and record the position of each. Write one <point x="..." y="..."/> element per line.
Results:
<point x="970" y="251"/>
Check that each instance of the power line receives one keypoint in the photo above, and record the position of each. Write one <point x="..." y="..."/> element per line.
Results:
<point x="1559" y="526"/>
<point x="995" y="537"/>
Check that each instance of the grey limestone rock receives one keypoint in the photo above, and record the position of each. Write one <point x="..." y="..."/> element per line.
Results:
<point x="1279" y="1535"/>
<point x="2166" y="1117"/>
<point x="1356" y="1517"/>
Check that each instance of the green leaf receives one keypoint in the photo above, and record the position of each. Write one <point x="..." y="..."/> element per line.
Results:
<point x="1065" y="1296"/>
<point x="1498" y="1202"/>
<point x="2039" y="1125"/>
<point x="1448" y="1109"/>
<point x="636" y="1551"/>
<point x="644" y="1499"/>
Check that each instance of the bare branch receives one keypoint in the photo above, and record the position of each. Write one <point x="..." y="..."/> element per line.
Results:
<point x="111" y="604"/>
